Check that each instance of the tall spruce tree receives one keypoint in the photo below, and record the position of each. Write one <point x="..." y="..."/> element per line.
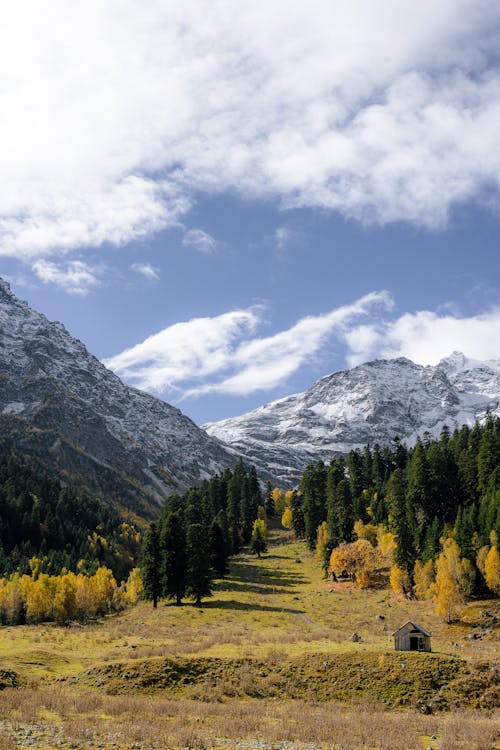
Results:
<point x="199" y="573"/>
<point x="151" y="564"/>
<point x="174" y="557"/>
<point x="405" y="553"/>
<point x="313" y="490"/>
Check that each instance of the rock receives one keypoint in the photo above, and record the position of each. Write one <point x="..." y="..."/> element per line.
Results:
<point x="355" y="638"/>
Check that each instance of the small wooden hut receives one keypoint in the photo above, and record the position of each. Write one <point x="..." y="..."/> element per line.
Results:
<point x="412" y="637"/>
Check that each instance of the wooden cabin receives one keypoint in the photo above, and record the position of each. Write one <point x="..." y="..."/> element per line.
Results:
<point x="412" y="637"/>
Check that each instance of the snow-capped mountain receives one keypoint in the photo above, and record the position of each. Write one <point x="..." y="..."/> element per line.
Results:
<point x="59" y="404"/>
<point x="371" y="403"/>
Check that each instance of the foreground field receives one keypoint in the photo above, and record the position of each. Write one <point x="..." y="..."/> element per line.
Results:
<point x="265" y="663"/>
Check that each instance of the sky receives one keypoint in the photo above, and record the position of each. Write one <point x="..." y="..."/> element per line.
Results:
<point x="226" y="206"/>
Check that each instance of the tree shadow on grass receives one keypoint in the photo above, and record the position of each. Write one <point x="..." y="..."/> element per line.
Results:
<point x="248" y="578"/>
<point x="234" y="604"/>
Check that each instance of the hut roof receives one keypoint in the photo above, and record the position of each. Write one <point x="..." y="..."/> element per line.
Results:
<point x="415" y="626"/>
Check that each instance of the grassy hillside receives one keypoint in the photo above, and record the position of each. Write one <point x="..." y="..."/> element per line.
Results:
<point x="272" y="645"/>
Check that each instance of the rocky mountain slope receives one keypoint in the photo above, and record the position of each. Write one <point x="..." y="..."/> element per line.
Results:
<point x="60" y="405"/>
<point x="371" y="403"/>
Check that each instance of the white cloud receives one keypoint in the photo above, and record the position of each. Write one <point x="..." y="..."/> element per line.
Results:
<point x="116" y="115"/>
<point x="222" y="354"/>
<point x="147" y="270"/>
<point x="426" y="337"/>
<point x="195" y="349"/>
<point x="199" y="240"/>
<point x="75" y="277"/>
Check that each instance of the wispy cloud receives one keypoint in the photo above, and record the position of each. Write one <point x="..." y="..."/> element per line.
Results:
<point x="382" y="111"/>
<point x="75" y="277"/>
<point x="199" y="240"/>
<point x="223" y="354"/>
<point x="147" y="270"/>
<point x="282" y="237"/>
<point x="426" y="337"/>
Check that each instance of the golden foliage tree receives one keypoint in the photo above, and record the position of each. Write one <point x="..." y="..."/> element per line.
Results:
<point x="400" y="581"/>
<point x="492" y="570"/>
<point x="287" y="518"/>
<point x="424" y="575"/>
<point x="358" y="560"/>
<point x="454" y="580"/>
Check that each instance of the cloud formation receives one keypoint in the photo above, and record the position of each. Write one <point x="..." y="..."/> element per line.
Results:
<point x="199" y="240"/>
<point x="426" y="337"/>
<point x="116" y="115"/>
<point x="147" y="270"/>
<point x="226" y="355"/>
<point x="75" y="277"/>
<point x="223" y="354"/>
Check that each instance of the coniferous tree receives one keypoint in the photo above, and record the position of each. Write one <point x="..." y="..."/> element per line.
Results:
<point x="199" y="574"/>
<point x="404" y="554"/>
<point x="298" y="522"/>
<point x="313" y="491"/>
<point x="218" y="549"/>
<point x="174" y="557"/>
<point x="151" y="565"/>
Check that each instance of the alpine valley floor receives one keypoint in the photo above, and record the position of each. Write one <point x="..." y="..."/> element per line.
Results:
<point x="268" y="662"/>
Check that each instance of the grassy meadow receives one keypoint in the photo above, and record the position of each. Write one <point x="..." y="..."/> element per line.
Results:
<point x="268" y="660"/>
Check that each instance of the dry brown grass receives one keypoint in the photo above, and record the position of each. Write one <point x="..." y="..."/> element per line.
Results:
<point x="85" y="717"/>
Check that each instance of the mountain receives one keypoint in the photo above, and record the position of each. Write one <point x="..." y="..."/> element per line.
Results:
<point x="61" y="407"/>
<point x="371" y="403"/>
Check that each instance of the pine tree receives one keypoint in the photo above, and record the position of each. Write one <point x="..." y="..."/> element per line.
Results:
<point x="151" y="565"/>
<point x="313" y="490"/>
<point x="174" y="557"/>
<point x="404" y="554"/>
<point x="199" y="575"/>
<point x="218" y="549"/>
<point x="298" y="523"/>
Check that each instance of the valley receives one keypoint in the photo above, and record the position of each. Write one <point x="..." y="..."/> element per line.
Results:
<point x="267" y="662"/>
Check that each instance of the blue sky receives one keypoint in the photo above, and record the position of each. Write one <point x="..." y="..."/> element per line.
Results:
<point x="225" y="209"/>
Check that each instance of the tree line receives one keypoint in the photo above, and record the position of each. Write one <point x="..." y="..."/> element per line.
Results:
<point x="431" y="513"/>
<point x="198" y="532"/>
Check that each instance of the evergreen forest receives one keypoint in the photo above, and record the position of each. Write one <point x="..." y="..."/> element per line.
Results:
<point x="199" y="531"/>
<point x="431" y="513"/>
<point x="59" y="526"/>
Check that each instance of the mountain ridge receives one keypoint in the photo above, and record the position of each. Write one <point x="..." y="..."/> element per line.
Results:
<point x="372" y="402"/>
<point x="61" y="405"/>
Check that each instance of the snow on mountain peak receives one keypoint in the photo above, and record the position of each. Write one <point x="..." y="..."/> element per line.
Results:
<point x="373" y="402"/>
<point x="62" y="405"/>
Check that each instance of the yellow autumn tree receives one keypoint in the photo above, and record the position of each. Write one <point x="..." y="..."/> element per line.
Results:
<point x="366" y="531"/>
<point x="279" y="500"/>
<point x="287" y="518"/>
<point x="423" y="576"/>
<point x="39" y="598"/>
<point x="481" y="558"/>
<point x="105" y="588"/>
<point x="454" y="580"/>
<point x="65" y="598"/>
<point x="133" y="586"/>
<point x="492" y="570"/>
<point x="357" y="560"/>
<point x="400" y="581"/>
